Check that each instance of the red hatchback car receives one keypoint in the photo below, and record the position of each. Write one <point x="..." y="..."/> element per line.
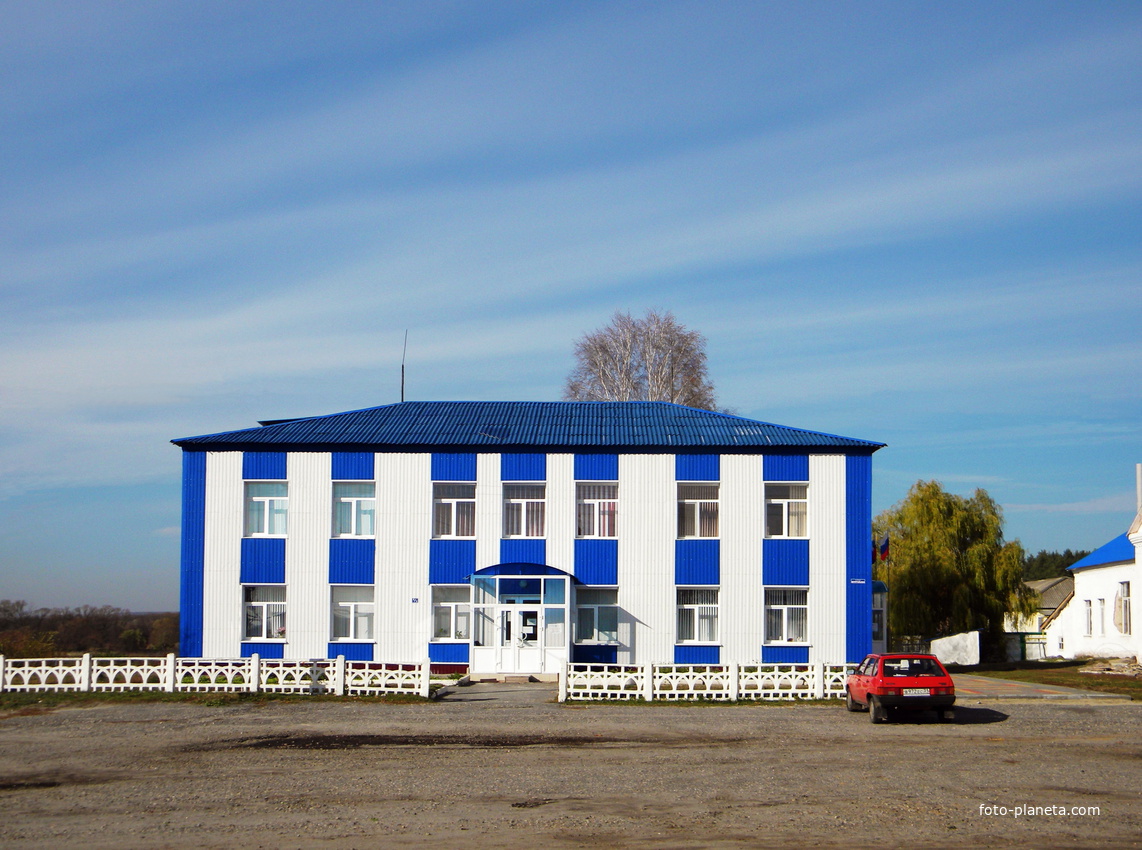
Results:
<point x="905" y="681"/>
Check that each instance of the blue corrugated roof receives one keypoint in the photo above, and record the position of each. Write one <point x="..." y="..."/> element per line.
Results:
<point x="492" y="425"/>
<point x="1115" y="552"/>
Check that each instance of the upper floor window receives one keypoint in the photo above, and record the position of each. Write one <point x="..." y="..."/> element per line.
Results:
<point x="453" y="510"/>
<point x="596" y="507"/>
<point x="451" y="612"/>
<point x="265" y="611"/>
<point x="697" y="615"/>
<point x="354" y="509"/>
<point x="697" y="510"/>
<point x="597" y="615"/>
<point x="787" y="615"/>
<point x="267" y="508"/>
<point x="524" y="510"/>
<point x="786" y="510"/>
<point x="352" y="612"/>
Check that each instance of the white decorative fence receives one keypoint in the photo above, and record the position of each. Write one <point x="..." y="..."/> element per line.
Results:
<point x="730" y="682"/>
<point x="232" y="675"/>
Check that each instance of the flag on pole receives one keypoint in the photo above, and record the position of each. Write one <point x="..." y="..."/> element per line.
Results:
<point x="883" y="552"/>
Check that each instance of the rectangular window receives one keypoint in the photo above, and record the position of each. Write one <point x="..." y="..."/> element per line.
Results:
<point x="596" y="509"/>
<point x="453" y="510"/>
<point x="1125" y="625"/>
<point x="697" y="615"/>
<point x="597" y="615"/>
<point x="786" y="510"/>
<point x="354" y="509"/>
<point x="1101" y="617"/>
<point x="352" y="612"/>
<point x="786" y="615"/>
<point x="524" y="510"/>
<point x="267" y="508"/>
<point x="1089" y="612"/>
<point x="265" y="612"/>
<point x="697" y="510"/>
<point x="451" y="613"/>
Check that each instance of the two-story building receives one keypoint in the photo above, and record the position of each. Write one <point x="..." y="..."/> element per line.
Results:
<point x="510" y="537"/>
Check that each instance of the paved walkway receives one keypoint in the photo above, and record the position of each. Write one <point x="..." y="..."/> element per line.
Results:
<point x="985" y="687"/>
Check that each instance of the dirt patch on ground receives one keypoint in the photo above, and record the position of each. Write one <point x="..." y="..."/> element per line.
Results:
<point x="498" y="771"/>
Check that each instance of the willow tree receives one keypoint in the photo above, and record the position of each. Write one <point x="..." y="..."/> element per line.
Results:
<point x="655" y="358"/>
<point x="949" y="569"/>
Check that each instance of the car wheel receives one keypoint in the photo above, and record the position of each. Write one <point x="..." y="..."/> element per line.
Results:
<point x="850" y="703"/>
<point x="876" y="712"/>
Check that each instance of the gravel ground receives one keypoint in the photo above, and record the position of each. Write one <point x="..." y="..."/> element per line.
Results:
<point x="497" y="766"/>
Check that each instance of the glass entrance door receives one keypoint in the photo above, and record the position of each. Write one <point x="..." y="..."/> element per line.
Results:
<point x="519" y="624"/>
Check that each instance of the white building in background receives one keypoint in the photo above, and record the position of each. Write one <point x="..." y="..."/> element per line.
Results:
<point x="1099" y="618"/>
<point x="510" y="537"/>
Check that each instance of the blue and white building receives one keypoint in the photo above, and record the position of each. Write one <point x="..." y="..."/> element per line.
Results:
<point x="511" y="537"/>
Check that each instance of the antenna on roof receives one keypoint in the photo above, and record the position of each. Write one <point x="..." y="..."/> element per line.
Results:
<point x="402" y="356"/>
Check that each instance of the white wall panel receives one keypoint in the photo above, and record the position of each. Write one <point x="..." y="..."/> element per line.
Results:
<point x="561" y="512"/>
<point x="827" y="559"/>
<point x="489" y="510"/>
<point x="1105" y="640"/>
<point x="742" y="599"/>
<point x="223" y="611"/>
<point x="404" y="529"/>
<point x="307" y="555"/>
<point x="647" y="518"/>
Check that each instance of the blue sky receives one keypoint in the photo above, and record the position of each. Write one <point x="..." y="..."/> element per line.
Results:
<point x="916" y="223"/>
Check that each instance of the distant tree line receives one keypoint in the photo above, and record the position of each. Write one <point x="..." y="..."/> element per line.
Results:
<point x="104" y="630"/>
<point x="1050" y="564"/>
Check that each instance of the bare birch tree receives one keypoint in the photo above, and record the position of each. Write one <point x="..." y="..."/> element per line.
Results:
<point x="654" y="358"/>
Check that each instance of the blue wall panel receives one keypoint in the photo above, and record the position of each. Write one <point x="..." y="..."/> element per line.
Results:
<point x="523" y="551"/>
<point x="448" y="653"/>
<point x="785" y="655"/>
<point x="698" y="467"/>
<point x="193" y="555"/>
<point x="263" y="560"/>
<point x="594" y="654"/>
<point x="453" y="466"/>
<point x="697" y="561"/>
<point x="697" y="654"/>
<point x="597" y="561"/>
<point x="263" y="650"/>
<point x="785" y="562"/>
<point x="351" y="651"/>
<point x="858" y="556"/>
<point x="352" y="561"/>
<point x="523" y="467"/>
<point x="785" y="467"/>
<point x="451" y="561"/>
<point x="265" y="466"/>
<point x="601" y="467"/>
<point x="352" y="466"/>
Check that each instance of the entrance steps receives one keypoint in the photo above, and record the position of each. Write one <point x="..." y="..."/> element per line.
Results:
<point x="515" y="678"/>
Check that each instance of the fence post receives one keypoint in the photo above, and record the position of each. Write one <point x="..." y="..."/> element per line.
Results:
<point x="339" y="676"/>
<point x="254" y="679"/>
<point x="425" y="675"/>
<point x="563" y="682"/>
<point x="648" y="683"/>
<point x="85" y="672"/>
<point x="1" y="674"/>
<point x="171" y="675"/>
<point x="819" y="684"/>
<point x="735" y="683"/>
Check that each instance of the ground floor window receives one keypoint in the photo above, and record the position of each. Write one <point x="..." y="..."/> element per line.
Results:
<point x="1089" y="617"/>
<point x="597" y="615"/>
<point x="1122" y="608"/>
<point x="697" y="615"/>
<point x="451" y="612"/>
<point x="786" y="615"/>
<point x="265" y="611"/>
<point x="353" y="612"/>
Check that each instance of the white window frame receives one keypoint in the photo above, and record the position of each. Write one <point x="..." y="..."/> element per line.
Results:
<point x="1124" y="595"/>
<point x="525" y="510"/>
<point x="598" y="511"/>
<point x="1088" y="609"/>
<point x="270" y="506"/>
<point x="701" y="607"/>
<point x="1102" y="618"/>
<point x="362" y="510"/>
<point x="458" y="613"/>
<point x="357" y="611"/>
<point x="595" y="611"/>
<point x="452" y="506"/>
<point x="269" y="613"/>
<point x="782" y="599"/>
<point x="786" y="501"/>
<point x="697" y="512"/>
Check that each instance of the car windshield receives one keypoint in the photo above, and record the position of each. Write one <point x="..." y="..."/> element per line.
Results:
<point x="911" y="667"/>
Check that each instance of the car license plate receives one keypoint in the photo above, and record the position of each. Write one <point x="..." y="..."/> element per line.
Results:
<point x="916" y="692"/>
